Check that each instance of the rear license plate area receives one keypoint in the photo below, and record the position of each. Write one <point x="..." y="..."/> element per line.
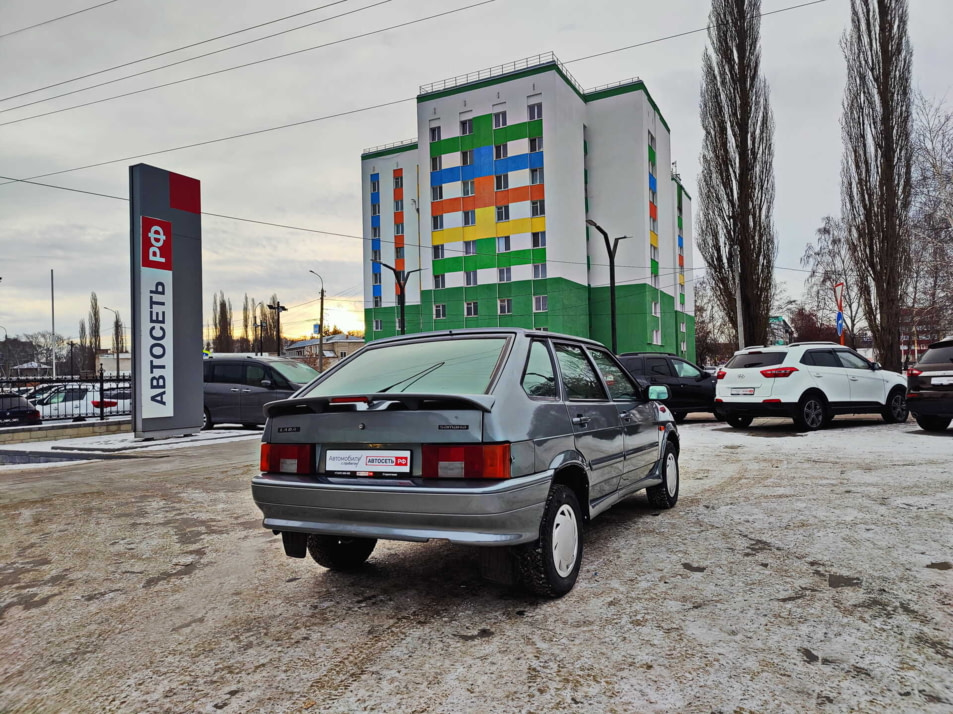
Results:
<point x="366" y="462"/>
<point x="742" y="391"/>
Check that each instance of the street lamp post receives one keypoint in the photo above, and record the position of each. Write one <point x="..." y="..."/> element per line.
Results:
<point x="400" y="277"/>
<point x="72" y="373"/>
<point x="278" y="308"/>
<point x="611" y="250"/>
<point x="115" y="329"/>
<point x="321" y="330"/>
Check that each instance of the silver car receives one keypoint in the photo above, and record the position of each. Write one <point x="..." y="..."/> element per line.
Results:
<point x="506" y="438"/>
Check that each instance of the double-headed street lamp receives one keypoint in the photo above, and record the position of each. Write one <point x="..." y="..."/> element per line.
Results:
<point x="400" y="277"/>
<point x="321" y="321"/>
<point x="611" y="250"/>
<point x="278" y="308"/>
<point x="116" y="327"/>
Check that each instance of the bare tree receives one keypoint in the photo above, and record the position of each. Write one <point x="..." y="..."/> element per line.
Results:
<point x="269" y="321"/>
<point x="876" y="168"/>
<point x="95" y="326"/>
<point x="245" y="342"/>
<point x="712" y="331"/>
<point x="736" y="185"/>
<point x="119" y="335"/>
<point x="223" y="339"/>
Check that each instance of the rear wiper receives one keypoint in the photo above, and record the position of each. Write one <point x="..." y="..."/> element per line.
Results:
<point x="417" y="375"/>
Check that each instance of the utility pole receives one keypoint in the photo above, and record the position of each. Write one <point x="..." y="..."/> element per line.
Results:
<point x="741" y="326"/>
<point x="53" y="324"/>
<point x="321" y="322"/>
<point x="401" y="281"/>
<point x="278" y="308"/>
<point x="611" y="250"/>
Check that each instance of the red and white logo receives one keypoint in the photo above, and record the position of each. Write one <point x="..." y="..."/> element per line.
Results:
<point x="156" y="244"/>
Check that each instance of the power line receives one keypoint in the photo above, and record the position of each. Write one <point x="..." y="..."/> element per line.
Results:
<point x="55" y="19"/>
<point x="183" y="61"/>
<point x="247" y="64"/>
<point x="177" y="49"/>
<point x="284" y="126"/>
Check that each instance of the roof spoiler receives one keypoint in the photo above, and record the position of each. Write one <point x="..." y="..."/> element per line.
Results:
<point x="412" y="402"/>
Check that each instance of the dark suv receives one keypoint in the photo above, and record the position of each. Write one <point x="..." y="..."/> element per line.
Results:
<point x="16" y="410"/>
<point x="237" y="387"/>
<point x="930" y="387"/>
<point x="692" y="389"/>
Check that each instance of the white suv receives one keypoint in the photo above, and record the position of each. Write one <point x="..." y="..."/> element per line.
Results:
<point x="809" y="382"/>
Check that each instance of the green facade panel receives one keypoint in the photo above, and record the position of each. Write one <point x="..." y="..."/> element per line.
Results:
<point x="654" y="267"/>
<point x="448" y="265"/>
<point x="445" y="146"/>
<point x="482" y="133"/>
<point x="651" y="155"/>
<point x="479" y="262"/>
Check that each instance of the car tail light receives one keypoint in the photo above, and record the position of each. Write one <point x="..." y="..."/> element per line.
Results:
<point x="771" y="401"/>
<point x="287" y="458"/>
<point x="470" y="461"/>
<point x="348" y="400"/>
<point x="105" y="403"/>
<point x="34" y="414"/>
<point x="778" y="372"/>
<point x="722" y="374"/>
<point x="914" y="372"/>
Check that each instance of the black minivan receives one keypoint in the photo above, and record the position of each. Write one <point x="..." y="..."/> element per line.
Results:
<point x="237" y="387"/>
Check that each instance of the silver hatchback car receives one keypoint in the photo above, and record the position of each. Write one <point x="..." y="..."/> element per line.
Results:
<point x="507" y="438"/>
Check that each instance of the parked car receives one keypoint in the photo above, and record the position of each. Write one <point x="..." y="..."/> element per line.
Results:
<point x="81" y="400"/>
<point x="237" y="387"/>
<point x="691" y="388"/>
<point x="505" y="438"/>
<point x="809" y="382"/>
<point x="930" y="387"/>
<point x="16" y="410"/>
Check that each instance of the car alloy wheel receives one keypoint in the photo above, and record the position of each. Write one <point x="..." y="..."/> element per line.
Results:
<point x="811" y="413"/>
<point x="565" y="540"/>
<point x="896" y="410"/>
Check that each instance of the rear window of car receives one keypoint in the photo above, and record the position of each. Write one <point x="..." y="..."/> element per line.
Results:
<point x="456" y="366"/>
<point x="294" y="371"/>
<point x="938" y="355"/>
<point x="755" y="359"/>
<point x="9" y="401"/>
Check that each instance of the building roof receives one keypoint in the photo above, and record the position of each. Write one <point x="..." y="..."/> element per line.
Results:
<point x="329" y="340"/>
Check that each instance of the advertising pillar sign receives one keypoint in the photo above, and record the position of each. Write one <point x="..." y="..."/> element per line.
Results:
<point x="166" y="251"/>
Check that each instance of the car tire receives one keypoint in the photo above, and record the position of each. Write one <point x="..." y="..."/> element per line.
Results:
<point x="206" y="420"/>
<point x="665" y="495"/>
<point x="549" y="565"/>
<point x="679" y="417"/>
<point x="739" y="422"/>
<point x="895" y="411"/>
<point x="340" y="553"/>
<point x="812" y="412"/>
<point x="933" y="423"/>
<point x="249" y="425"/>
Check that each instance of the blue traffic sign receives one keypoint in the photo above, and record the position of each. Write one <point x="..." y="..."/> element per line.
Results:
<point x="840" y="323"/>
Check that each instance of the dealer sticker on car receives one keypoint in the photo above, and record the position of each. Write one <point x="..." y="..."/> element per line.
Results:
<point x="367" y="462"/>
<point x="742" y="391"/>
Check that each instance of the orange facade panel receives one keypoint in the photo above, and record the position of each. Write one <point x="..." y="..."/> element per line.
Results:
<point x="681" y="261"/>
<point x="398" y="216"/>
<point x="398" y="194"/>
<point x="398" y="172"/>
<point x="448" y="205"/>
<point x="653" y="210"/>
<point x="537" y="192"/>
<point x="484" y="187"/>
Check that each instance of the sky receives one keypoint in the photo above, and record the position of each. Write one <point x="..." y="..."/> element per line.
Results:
<point x="308" y="176"/>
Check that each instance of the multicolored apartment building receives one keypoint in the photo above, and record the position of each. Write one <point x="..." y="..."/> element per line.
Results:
<point x="486" y="212"/>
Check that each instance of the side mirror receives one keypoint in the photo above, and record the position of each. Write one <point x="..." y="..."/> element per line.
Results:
<point x="266" y="383"/>
<point x="658" y="392"/>
<point x="875" y="366"/>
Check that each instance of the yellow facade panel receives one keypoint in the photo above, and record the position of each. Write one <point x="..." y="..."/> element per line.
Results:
<point x="653" y="238"/>
<point x="538" y="224"/>
<point x="447" y="235"/>
<point x="681" y="279"/>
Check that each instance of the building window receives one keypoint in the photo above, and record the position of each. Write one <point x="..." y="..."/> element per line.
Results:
<point x="538" y="208"/>
<point x="471" y="278"/>
<point x="466" y="157"/>
<point x="681" y="327"/>
<point x="655" y="281"/>
<point x="653" y="197"/>
<point x="684" y="347"/>
<point x="466" y="127"/>
<point x="436" y="163"/>
<point x="375" y="232"/>
<point x="469" y="218"/>
<point x="681" y="289"/>
<point x="439" y="312"/>
<point x="656" y="310"/>
<point x="505" y="275"/>
<point x="502" y="244"/>
<point x="378" y="301"/>
<point x="539" y="271"/>
<point x="436" y="222"/>
<point x="502" y="213"/>
<point x="399" y="204"/>
<point x="656" y="337"/>
<point x="535" y="176"/>
<point x="653" y="225"/>
<point x="401" y="274"/>
<point x="377" y="326"/>
<point x="535" y="111"/>
<point x="398" y="182"/>
<point x="438" y="251"/>
<point x="439" y="282"/>
<point x="468" y="188"/>
<point x="375" y="256"/>
<point x="500" y="151"/>
<point x="398" y="323"/>
<point x="398" y="229"/>
<point x="435" y="133"/>
<point x="653" y="252"/>
<point x="472" y="309"/>
<point x="375" y="209"/>
<point x="436" y="193"/>
<point x="651" y="139"/>
<point x="539" y="239"/>
<point x="469" y="247"/>
<point x="540" y="303"/>
<point x="506" y="306"/>
<point x="536" y="144"/>
<point x="399" y="252"/>
<point x="375" y="279"/>
<point x="502" y="182"/>
<point x="499" y="120"/>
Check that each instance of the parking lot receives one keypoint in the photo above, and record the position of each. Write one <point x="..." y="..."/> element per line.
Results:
<point x="798" y="572"/>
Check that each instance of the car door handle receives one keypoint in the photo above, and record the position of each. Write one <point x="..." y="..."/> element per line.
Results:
<point x="246" y="390"/>
<point x="234" y="389"/>
<point x="854" y="379"/>
<point x="625" y="416"/>
<point x="815" y="374"/>
<point x="580" y="420"/>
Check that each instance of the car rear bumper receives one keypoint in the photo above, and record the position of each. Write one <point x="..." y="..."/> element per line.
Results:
<point x="499" y="513"/>
<point x="926" y="404"/>
<point x="757" y="409"/>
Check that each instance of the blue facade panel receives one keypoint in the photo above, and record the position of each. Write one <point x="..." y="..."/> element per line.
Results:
<point x="511" y="163"/>
<point x="375" y="267"/>
<point x="536" y="160"/>
<point x="375" y="177"/>
<point x="376" y="197"/>
<point x="681" y="242"/>
<point x="375" y="243"/>
<point x="375" y="221"/>
<point x="377" y="290"/>
<point x="439" y="178"/>
<point x="653" y="184"/>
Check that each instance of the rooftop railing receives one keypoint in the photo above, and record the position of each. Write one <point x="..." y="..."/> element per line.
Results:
<point x="500" y="70"/>
<point x="392" y="145"/>
<point x="613" y="85"/>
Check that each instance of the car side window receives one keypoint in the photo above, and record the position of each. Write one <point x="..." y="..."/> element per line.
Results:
<point x="684" y="369"/>
<point x="75" y="394"/>
<point x="227" y="373"/>
<point x="824" y="358"/>
<point x="852" y="361"/>
<point x="657" y="367"/>
<point x="539" y="379"/>
<point x="254" y="373"/>
<point x="207" y="371"/>
<point x="618" y="382"/>
<point x="578" y="376"/>
<point x="632" y="364"/>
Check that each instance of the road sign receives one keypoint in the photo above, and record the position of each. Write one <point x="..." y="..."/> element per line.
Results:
<point x="840" y="323"/>
<point x="839" y="296"/>
<point x="317" y="328"/>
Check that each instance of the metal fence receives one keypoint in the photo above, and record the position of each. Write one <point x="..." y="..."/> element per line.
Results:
<point x="90" y="396"/>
